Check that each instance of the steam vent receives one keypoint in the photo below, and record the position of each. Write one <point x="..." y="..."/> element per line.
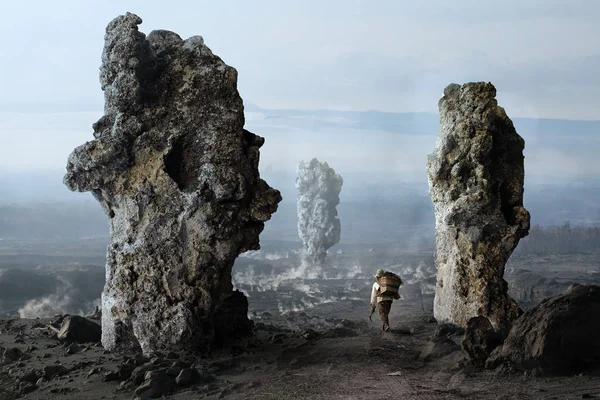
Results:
<point x="319" y="190"/>
<point x="177" y="175"/>
<point x="476" y="184"/>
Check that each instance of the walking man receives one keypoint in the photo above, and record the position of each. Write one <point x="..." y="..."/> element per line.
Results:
<point x="384" y="303"/>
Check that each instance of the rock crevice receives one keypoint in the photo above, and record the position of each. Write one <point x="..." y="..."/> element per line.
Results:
<point x="177" y="175"/>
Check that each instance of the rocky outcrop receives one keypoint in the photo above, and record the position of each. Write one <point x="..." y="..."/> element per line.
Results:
<point x="480" y="339"/>
<point x="177" y="175"/>
<point x="476" y="185"/>
<point x="560" y="335"/>
<point x="319" y="227"/>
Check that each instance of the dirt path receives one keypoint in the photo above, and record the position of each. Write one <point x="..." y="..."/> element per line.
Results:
<point x="352" y="361"/>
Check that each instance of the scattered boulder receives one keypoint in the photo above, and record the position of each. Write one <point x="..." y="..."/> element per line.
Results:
<point x="27" y="387"/>
<point x="31" y="376"/>
<point x="560" y="335"/>
<point x="73" y="348"/>
<point x="156" y="384"/>
<point x="76" y="329"/>
<point x="177" y="175"/>
<point x="12" y="354"/>
<point x="138" y="374"/>
<point x="51" y="371"/>
<point x="480" y="339"/>
<point x="476" y="179"/>
<point x="187" y="377"/>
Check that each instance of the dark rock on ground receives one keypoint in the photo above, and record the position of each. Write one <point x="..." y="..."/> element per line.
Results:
<point x="187" y="377"/>
<point x="480" y="339"/>
<point x="138" y="374"/>
<point x="51" y="371"/>
<point x="12" y="354"/>
<point x="560" y="335"/>
<point x="231" y="319"/>
<point x="156" y="384"/>
<point x="448" y="330"/>
<point x="27" y="387"/>
<point x="31" y="376"/>
<point x="310" y="335"/>
<point x="76" y="329"/>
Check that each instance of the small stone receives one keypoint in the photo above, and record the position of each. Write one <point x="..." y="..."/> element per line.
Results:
<point x="253" y="385"/>
<point x="12" y="354"/>
<point x="111" y="376"/>
<point x="181" y="364"/>
<point x="187" y="377"/>
<point x="73" y="348"/>
<point x="94" y="370"/>
<point x="138" y="374"/>
<point x="156" y="384"/>
<point x="27" y="387"/>
<point x="173" y="371"/>
<point x="31" y="376"/>
<point x="31" y="349"/>
<point x="51" y="371"/>
<point x="140" y="359"/>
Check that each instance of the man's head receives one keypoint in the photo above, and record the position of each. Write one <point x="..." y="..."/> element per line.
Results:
<point x="379" y="273"/>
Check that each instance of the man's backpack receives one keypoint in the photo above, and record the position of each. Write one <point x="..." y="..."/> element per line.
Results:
<point x="389" y="284"/>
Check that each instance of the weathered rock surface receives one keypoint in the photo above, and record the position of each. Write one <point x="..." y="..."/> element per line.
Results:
<point x="560" y="335"/>
<point x="319" y="227"/>
<point x="476" y="184"/>
<point x="480" y="339"/>
<point x="76" y="329"/>
<point x="177" y="175"/>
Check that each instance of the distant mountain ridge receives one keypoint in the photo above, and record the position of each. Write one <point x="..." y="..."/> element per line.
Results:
<point x="421" y="122"/>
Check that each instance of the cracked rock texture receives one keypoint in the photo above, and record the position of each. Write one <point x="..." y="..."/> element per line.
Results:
<point x="559" y="335"/>
<point x="318" y="196"/>
<point x="177" y="175"/>
<point x="476" y="184"/>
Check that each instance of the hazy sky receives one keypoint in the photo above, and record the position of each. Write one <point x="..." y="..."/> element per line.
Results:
<point x="390" y="55"/>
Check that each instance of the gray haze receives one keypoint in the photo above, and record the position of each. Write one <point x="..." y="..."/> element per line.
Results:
<point x="393" y="56"/>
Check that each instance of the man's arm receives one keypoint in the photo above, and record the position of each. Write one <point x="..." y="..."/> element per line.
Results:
<point x="374" y="294"/>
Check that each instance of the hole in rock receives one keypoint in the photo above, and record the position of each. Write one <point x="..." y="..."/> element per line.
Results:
<point x="181" y="165"/>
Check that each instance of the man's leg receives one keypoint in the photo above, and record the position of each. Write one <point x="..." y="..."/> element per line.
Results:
<point x="384" y="311"/>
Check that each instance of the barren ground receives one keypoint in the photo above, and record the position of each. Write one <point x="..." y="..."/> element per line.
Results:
<point x="353" y="361"/>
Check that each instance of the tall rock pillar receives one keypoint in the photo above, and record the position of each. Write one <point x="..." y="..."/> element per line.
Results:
<point x="476" y="178"/>
<point x="177" y="175"/>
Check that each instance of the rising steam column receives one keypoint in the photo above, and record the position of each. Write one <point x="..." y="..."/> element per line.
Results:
<point x="319" y="227"/>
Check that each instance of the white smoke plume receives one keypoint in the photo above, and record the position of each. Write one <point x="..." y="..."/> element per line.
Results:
<point x="262" y="255"/>
<point x="59" y="302"/>
<point x="319" y="227"/>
